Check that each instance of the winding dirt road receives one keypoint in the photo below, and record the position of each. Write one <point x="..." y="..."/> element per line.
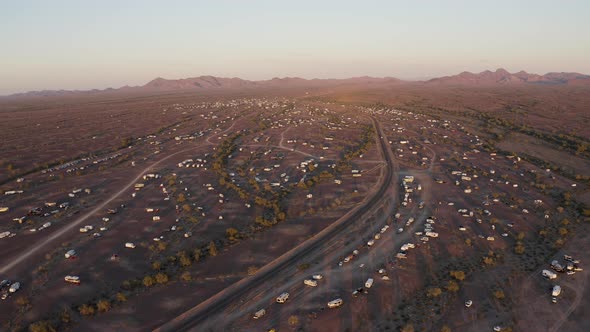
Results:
<point x="217" y="303"/>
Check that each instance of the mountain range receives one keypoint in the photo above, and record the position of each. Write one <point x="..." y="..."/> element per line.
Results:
<point x="502" y="76"/>
<point x="498" y="77"/>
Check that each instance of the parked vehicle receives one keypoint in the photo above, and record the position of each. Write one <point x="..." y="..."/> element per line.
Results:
<point x="369" y="283"/>
<point x="259" y="313"/>
<point x="310" y="282"/>
<point x="283" y="298"/>
<point x="72" y="279"/>
<point x="70" y="254"/>
<point x="86" y="228"/>
<point x="14" y="287"/>
<point x="358" y="291"/>
<point x="129" y="245"/>
<point x="556" y="266"/>
<point x="335" y="303"/>
<point x="549" y="274"/>
<point x="4" y="283"/>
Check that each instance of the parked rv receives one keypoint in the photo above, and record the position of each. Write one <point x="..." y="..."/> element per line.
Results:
<point x="310" y="282"/>
<point x="335" y="303"/>
<point x="72" y="279"/>
<point x="283" y="298"/>
<point x="549" y="274"/>
<point x="259" y="313"/>
<point x="70" y="254"/>
<point x="14" y="287"/>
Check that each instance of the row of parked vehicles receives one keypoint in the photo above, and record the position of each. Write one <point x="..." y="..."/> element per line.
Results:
<point x="311" y="282"/>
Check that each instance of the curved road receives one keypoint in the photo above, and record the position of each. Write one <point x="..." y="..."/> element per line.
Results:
<point x="223" y="299"/>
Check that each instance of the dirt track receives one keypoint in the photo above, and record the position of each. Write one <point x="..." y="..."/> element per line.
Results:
<point x="197" y="315"/>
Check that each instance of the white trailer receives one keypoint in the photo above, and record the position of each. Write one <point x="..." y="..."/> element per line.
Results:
<point x="259" y="313"/>
<point x="283" y="298"/>
<point x="549" y="274"/>
<point x="335" y="303"/>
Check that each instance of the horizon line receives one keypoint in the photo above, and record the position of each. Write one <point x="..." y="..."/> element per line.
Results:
<point x="415" y="79"/>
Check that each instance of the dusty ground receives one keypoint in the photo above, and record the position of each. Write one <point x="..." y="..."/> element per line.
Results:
<point x="82" y="143"/>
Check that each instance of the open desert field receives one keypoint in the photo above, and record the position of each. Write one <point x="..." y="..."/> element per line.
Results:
<point x="185" y="211"/>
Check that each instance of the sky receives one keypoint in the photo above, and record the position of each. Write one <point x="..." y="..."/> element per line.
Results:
<point x="80" y="44"/>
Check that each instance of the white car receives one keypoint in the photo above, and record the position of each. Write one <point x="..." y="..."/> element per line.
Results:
<point x="317" y="277"/>
<point x="369" y="283"/>
<point x="468" y="303"/>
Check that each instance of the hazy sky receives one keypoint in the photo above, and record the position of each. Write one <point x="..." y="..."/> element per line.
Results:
<point x="96" y="44"/>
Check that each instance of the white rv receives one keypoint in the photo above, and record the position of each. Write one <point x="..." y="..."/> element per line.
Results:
<point x="283" y="298"/>
<point x="335" y="303"/>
